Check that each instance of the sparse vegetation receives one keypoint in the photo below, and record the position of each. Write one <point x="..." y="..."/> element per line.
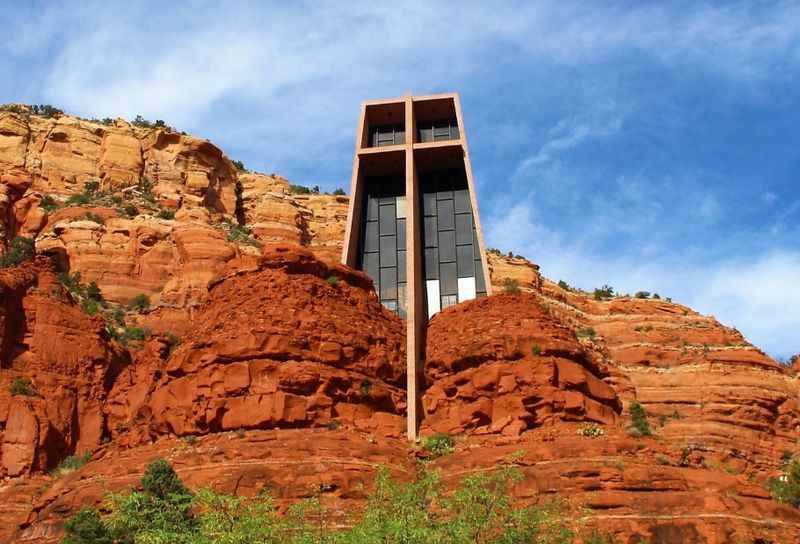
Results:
<point x="591" y="431"/>
<point x="165" y="214"/>
<point x="786" y="488"/>
<point x="71" y="464"/>
<point x="93" y="217"/>
<point x="238" y="233"/>
<point x="128" y="210"/>
<point x="21" y="250"/>
<point x="603" y="293"/>
<point x="439" y="444"/>
<point x="333" y="281"/>
<point x="511" y="286"/>
<point x="480" y="509"/>
<point x="141" y="122"/>
<point x="239" y="166"/>
<point x="303" y="190"/>
<point x="662" y="459"/>
<point x="339" y="192"/>
<point x="42" y="110"/>
<point x="139" y="303"/>
<point x="21" y="387"/>
<point x="48" y="204"/>
<point x="642" y="294"/>
<point x="567" y="287"/>
<point x="639" y="424"/>
<point x="366" y="385"/>
<point x="586" y="332"/>
<point x="536" y="350"/>
<point x="172" y="342"/>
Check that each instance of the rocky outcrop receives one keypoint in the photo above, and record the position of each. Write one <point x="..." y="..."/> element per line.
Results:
<point x="56" y="367"/>
<point x="290" y="342"/>
<point x="511" y="367"/>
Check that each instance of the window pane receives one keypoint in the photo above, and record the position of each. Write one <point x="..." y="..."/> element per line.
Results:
<point x="466" y="263"/>
<point x="388" y="284"/>
<point x="447" y="246"/>
<point x="445" y="214"/>
<point x="388" y="220"/>
<point x="462" y="204"/>
<point x="399" y="136"/>
<point x="449" y="300"/>
<point x="401" y="266"/>
<point x="372" y="266"/>
<point x="480" y="285"/>
<point x="454" y="131"/>
<point x="431" y="263"/>
<point x="429" y="203"/>
<point x="388" y="251"/>
<point x="449" y="278"/>
<point x="400" y="207"/>
<point x="390" y="305"/>
<point x="372" y="208"/>
<point x="431" y="233"/>
<point x="433" y="298"/>
<point x="371" y="236"/>
<point x="425" y="133"/>
<point x="466" y="289"/>
<point x="401" y="234"/>
<point x="401" y="300"/>
<point x="464" y="228"/>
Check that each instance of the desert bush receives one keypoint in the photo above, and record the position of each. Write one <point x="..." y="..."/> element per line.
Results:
<point x="591" y="431"/>
<point x="510" y="286"/>
<point x="21" y="387"/>
<point x="480" y="509"/>
<point x="586" y="332"/>
<point x="71" y="464"/>
<point x="439" y="444"/>
<point x="93" y="217"/>
<point x="139" y="303"/>
<point x="239" y="166"/>
<point x="165" y="214"/>
<point x="786" y="488"/>
<point x="48" y="204"/>
<point x="604" y="292"/>
<point x="333" y="281"/>
<point x="339" y="192"/>
<point x="639" y="424"/>
<point x="642" y="294"/>
<point x="536" y="350"/>
<point x="21" y="250"/>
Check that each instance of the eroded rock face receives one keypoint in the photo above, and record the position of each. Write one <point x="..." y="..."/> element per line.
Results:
<point x="279" y="345"/>
<point x="68" y="364"/>
<point x="170" y="245"/>
<point x="502" y="365"/>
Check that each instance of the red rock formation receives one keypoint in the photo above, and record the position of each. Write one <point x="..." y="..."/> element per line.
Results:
<point x="501" y="364"/>
<point x="66" y="360"/>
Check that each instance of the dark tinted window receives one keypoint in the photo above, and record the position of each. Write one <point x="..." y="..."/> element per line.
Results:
<point x="431" y="263"/>
<point x="447" y="246"/>
<point x="445" y="214"/>
<point x="464" y="229"/>
<point x="448" y="284"/>
<point x="388" y="220"/>
<point x="431" y="236"/>
<point x="466" y="263"/>
<point x="371" y="236"/>
<point x="388" y="251"/>
<point x="462" y="203"/>
<point x="401" y="234"/>
<point x="429" y="203"/>
<point x="401" y="266"/>
<point x="388" y="283"/>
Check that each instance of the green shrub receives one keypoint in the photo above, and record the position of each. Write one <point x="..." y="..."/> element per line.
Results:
<point x="128" y="210"/>
<point x="134" y="333"/>
<point x="21" y="387"/>
<point x="604" y="292"/>
<point x="642" y="294"/>
<point x="90" y="306"/>
<point x="480" y="509"/>
<point x="172" y="342"/>
<point x="536" y="350"/>
<point x="48" y="204"/>
<point x="586" y="332"/>
<point x="140" y="302"/>
<point x="787" y="487"/>
<point x="86" y="527"/>
<point x="21" y="250"/>
<point x="333" y="281"/>
<point x="94" y="218"/>
<point x="303" y="190"/>
<point x="46" y="110"/>
<point x="639" y="424"/>
<point x="239" y="166"/>
<point x="140" y="121"/>
<point x="591" y="431"/>
<point x="366" y="385"/>
<point x="510" y="286"/>
<point x="339" y="192"/>
<point x="79" y="199"/>
<point x="71" y="464"/>
<point x="165" y="214"/>
<point x="439" y="444"/>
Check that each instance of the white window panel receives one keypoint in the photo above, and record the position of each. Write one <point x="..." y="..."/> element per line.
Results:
<point x="401" y="207"/>
<point x="466" y="289"/>
<point x="434" y="303"/>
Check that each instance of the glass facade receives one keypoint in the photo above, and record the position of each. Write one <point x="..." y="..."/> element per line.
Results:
<point x="437" y="131"/>
<point x="452" y="264"/>
<point x="382" y="252"/>
<point x="382" y="135"/>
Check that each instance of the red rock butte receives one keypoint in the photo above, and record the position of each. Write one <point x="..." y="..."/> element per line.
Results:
<point x="271" y="366"/>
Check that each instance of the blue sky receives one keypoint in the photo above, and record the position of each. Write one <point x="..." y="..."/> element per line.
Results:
<point x="650" y="146"/>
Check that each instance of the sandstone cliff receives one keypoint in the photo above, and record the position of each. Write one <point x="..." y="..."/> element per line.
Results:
<point x="281" y="371"/>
